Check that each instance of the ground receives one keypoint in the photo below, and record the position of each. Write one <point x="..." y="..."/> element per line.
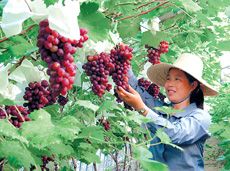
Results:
<point x="211" y="153"/>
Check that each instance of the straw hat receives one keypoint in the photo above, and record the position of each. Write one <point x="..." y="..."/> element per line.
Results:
<point x="189" y="63"/>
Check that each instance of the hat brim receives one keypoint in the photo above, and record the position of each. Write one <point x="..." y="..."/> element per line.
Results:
<point x="157" y="73"/>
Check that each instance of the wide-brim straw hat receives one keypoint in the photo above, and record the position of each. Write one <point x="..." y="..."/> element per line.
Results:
<point x="186" y="62"/>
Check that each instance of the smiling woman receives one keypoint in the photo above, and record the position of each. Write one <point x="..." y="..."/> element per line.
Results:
<point x="185" y="89"/>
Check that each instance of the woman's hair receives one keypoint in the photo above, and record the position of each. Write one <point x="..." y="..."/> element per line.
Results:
<point x="197" y="95"/>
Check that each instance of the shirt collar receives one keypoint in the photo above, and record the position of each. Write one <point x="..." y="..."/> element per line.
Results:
<point x="187" y="110"/>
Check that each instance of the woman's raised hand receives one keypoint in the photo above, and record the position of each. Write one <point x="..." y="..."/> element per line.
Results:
<point x="132" y="98"/>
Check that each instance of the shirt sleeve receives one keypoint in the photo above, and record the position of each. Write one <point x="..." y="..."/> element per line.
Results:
<point x="186" y="130"/>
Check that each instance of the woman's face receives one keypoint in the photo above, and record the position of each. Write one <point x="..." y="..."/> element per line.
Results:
<point x="177" y="86"/>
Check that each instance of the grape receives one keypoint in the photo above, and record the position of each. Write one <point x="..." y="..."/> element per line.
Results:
<point x="98" y="67"/>
<point x="155" y="54"/>
<point x="39" y="95"/>
<point x="161" y="97"/>
<point x="15" y="114"/>
<point x="57" y="50"/>
<point x="62" y="100"/>
<point x="106" y="125"/>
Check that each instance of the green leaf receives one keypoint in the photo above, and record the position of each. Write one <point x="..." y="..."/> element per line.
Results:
<point x="143" y="155"/>
<point x="50" y="2"/>
<point x="224" y="45"/>
<point x="16" y="154"/>
<point x="61" y="149"/>
<point x="20" y="50"/>
<point x="106" y="105"/>
<point x="190" y="6"/>
<point x="93" y="133"/>
<point x="41" y="131"/>
<point x="95" y="22"/>
<point x="4" y="101"/>
<point x="68" y="127"/>
<point x="8" y="130"/>
<point x="165" y="139"/>
<point x="87" y="104"/>
<point x="168" y="110"/>
<point x="153" y="40"/>
<point x="129" y="29"/>
<point x="203" y="18"/>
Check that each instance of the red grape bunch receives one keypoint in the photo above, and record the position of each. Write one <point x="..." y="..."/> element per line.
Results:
<point x="99" y="67"/>
<point x="151" y="88"/>
<point x="15" y="114"/>
<point x="57" y="50"/>
<point x="106" y="125"/>
<point x="121" y="58"/>
<point x="155" y="54"/>
<point x="38" y="95"/>
<point x="62" y="100"/>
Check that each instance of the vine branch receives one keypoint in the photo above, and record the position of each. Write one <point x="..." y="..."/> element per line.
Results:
<point x="18" y="34"/>
<point x="146" y="12"/>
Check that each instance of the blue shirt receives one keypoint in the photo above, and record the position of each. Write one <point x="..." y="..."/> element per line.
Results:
<point x="188" y="130"/>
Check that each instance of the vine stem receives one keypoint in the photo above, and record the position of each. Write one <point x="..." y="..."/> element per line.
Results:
<point x="146" y="4"/>
<point x="95" y="166"/>
<point x="74" y="163"/>
<point x="146" y="12"/>
<point x="18" y="34"/>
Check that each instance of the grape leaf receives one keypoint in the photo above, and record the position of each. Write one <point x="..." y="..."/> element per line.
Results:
<point x="87" y="104"/>
<point x="224" y="45"/>
<point x="61" y="148"/>
<point x="128" y="29"/>
<point x="41" y="131"/>
<point x="93" y="133"/>
<point x="94" y="21"/>
<point x="153" y="40"/>
<point x="68" y="127"/>
<point x="190" y="5"/>
<point x="143" y="155"/>
<point x="20" y="50"/>
<point x="106" y="105"/>
<point x="16" y="154"/>
<point x="7" y="129"/>
<point x="4" y="101"/>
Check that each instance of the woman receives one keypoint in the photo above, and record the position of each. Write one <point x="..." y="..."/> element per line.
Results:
<point x="185" y="89"/>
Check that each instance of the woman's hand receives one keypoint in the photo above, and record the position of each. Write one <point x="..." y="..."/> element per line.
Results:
<point x="133" y="99"/>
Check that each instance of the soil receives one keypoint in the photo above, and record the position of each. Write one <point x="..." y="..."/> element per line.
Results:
<point x="211" y="154"/>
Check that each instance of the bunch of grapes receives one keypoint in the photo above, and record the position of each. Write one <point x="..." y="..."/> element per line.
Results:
<point x="57" y="50"/>
<point x="15" y="114"/>
<point x="62" y="100"/>
<point x="45" y="161"/>
<point x="38" y="95"/>
<point x="98" y="67"/>
<point x="155" y="54"/>
<point x="151" y="88"/>
<point x="106" y="125"/>
<point x="121" y="58"/>
<point x="144" y="83"/>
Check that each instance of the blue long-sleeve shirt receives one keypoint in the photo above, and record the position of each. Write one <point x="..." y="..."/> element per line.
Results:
<point x="188" y="130"/>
